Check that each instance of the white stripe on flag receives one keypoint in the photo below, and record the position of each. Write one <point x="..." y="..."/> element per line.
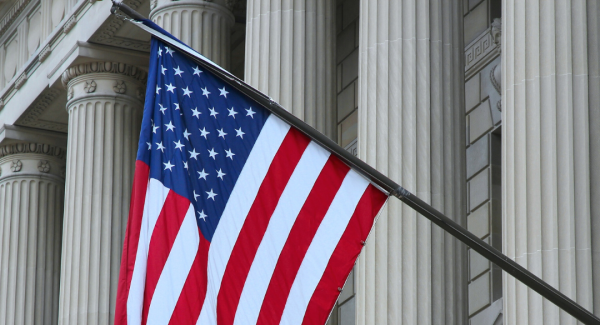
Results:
<point x="290" y="203"/>
<point x="324" y="243"/>
<point x="175" y="271"/>
<point x="156" y="194"/>
<point x="238" y="206"/>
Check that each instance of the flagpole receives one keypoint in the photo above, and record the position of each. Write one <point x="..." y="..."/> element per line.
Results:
<point x="377" y="178"/>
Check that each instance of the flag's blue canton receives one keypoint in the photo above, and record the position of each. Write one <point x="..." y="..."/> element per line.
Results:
<point x="197" y="133"/>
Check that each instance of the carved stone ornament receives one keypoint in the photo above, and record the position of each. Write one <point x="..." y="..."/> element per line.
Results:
<point x="44" y="53"/>
<point x="21" y="80"/>
<point x="70" y="93"/>
<point x="46" y="149"/>
<point x="495" y="78"/>
<point x="44" y="166"/>
<point x="69" y="24"/>
<point x="120" y="87"/>
<point x="153" y="4"/>
<point x="90" y="86"/>
<point x="497" y="30"/>
<point x="16" y="166"/>
<point x="103" y="67"/>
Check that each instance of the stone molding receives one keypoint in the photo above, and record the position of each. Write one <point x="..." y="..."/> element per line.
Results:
<point x="11" y="15"/>
<point x="32" y="147"/>
<point x="31" y="117"/>
<point x="103" y="67"/>
<point x="481" y="51"/>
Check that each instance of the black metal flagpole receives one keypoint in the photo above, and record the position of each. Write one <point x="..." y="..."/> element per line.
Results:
<point x="456" y="230"/>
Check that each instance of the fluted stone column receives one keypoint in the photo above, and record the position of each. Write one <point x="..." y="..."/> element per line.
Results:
<point x="204" y="25"/>
<point x="290" y="47"/>
<point x="105" y="108"/>
<point x="31" y="207"/>
<point x="412" y="128"/>
<point x="549" y="143"/>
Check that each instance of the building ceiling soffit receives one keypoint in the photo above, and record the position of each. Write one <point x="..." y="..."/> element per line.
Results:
<point x="117" y="32"/>
<point x="47" y="112"/>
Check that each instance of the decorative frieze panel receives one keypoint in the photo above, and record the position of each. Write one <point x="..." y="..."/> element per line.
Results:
<point x="482" y="50"/>
<point x="12" y="14"/>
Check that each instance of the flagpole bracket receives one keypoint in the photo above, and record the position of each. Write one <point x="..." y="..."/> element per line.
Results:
<point x="400" y="192"/>
<point x="119" y="5"/>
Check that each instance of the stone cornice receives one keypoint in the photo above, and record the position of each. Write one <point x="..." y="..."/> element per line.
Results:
<point x="103" y="67"/>
<point x="12" y="14"/>
<point x="31" y="147"/>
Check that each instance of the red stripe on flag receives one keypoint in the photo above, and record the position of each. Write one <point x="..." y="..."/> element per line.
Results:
<point x="301" y="235"/>
<point x="344" y="256"/>
<point x="255" y="225"/>
<point x="132" y="237"/>
<point x="192" y="296"/>
<point x="165" y="231"/>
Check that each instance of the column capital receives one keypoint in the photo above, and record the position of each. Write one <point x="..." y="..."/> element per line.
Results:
<point x="104" y="78"/>
<point x="224" y="6"/>
<point x="103" y="67"/>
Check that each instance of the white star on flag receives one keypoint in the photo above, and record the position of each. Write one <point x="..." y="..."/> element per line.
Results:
<point x="186" y="134"/>
<point x="160" y="146"/>
<point x="196" y="113"/>
<point x="187" y="92"/>
<point x="197" y="71"/>
<point x="178" y="145"/>
<point x="205" y="92"/>
<point x="223" y="92"/>
<point x="202" y="216"/>
<point x="213" y="112"/>
<point x="212" y="153"/>
<point x="170" y="126"/>
<point x="239" y="132"/>
<point x="194" y="154"/>
<point x="232" y="112"/>
<point x="211" y="194"/>
<point x="229" y="154"/>
<point x="168" y="165"/>
<point x="178" y="72"/>
<point x="202" y="174"/>
<point x="220" y="174"/>
<point x="204" y="133"/>
<point x="250" y="112"/>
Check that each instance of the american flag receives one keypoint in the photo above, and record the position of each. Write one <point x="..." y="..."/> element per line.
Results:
<point x="236" y="217"/>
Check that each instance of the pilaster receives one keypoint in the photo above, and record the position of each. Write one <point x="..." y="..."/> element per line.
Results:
<point x="31" y="207"/>
<point x="105" y="109"/>
<point x="290" y="55"/>
<point x="203" y="25"/>
<point x="549" y="141"/>
<point x="411" y="128"/>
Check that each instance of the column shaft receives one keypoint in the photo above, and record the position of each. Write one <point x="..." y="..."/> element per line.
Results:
<point x="551" y="99"/>
<point x="104" y="124"/>
<point x="203" y="25"/>
<point x="290" y="51"/>
<point x="411" y="127"/>
<point x="31" y="207"/>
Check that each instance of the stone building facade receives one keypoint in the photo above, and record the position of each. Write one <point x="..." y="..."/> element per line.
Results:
<point x="487" y="109"/>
